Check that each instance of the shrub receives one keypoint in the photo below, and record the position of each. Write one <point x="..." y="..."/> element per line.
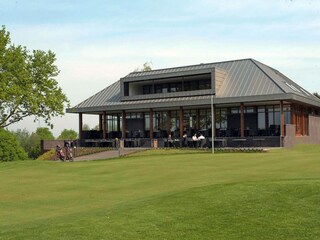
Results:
<point x="10" y="149"/>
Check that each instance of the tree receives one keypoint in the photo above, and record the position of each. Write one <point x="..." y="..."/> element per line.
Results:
<point x="44" y="133"/>
<point x="316" y="94"/>
<point x="85" y="127"/>
<point x="96" y="127"/>
<point x="27" y="83"/>
<point x="147" y="66"/>
<point x="10" y="149"/>
<point x="35" y="141"/>
<point x="68" y="134"/>
<point x="23" y="137"/>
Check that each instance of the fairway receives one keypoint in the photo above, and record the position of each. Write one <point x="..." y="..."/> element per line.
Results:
<point x="165" y="194"/>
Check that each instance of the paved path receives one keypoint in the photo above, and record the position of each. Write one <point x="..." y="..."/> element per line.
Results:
<point x="108" y="154"/>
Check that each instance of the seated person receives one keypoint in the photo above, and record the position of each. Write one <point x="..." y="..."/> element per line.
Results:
<point x="185" y="139"/>
<point x="202" y="139"/>
<point x="195" y="140"/>
<point x="170" y="141"/>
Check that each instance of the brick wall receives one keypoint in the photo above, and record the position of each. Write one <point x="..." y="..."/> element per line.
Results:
<point x="291" y="139"/>
<point x="50" y="144"/>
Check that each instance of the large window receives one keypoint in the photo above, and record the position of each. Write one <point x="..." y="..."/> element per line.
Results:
<point x="175" y="123"/>
<point x="287" y="114"/>
<point x="262" y="118"/>
<point x="190" y="119"/>
<point x="205" y="119"/>
<point x="160" y="121"/>
<point x="273" y="115"/>
<point x="113" y="123"/>
<point x="221" y="118"/>
<point x="147" y="89"/>
<point x="187" y="83"/>
<point x="146" y="121"/>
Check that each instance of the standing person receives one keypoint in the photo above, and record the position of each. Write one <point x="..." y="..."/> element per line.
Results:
<point x="68" y="152"/>
<point x="59" y="153"/>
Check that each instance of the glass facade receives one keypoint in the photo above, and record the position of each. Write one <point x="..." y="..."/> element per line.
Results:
<point x="175" y="123"/>
<point x="258" y="120"/>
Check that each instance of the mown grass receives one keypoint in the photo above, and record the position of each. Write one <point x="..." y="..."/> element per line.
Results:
<point x="165" y="194"/>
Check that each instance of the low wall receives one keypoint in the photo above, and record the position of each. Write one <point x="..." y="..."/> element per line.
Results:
<point x="291" y="139"/>
<point x="47" y="145"/>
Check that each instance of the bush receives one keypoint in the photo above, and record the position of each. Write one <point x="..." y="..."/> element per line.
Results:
<point x="10" y="149"/>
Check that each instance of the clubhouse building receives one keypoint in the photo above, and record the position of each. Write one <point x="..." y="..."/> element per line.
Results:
<point x="238" y="103"/>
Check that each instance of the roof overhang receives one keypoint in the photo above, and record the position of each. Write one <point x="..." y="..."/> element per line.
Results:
<point x="195" y="101"/>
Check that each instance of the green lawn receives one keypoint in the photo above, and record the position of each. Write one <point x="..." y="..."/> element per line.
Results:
<point x="165" y="194"/>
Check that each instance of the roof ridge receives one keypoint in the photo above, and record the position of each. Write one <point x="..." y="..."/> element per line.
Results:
<point x="256" y="63"/>
<point x="193" y="65"/>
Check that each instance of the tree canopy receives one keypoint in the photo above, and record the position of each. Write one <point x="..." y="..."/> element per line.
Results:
<point x="27" y="83"/>
<point x="68" y="134"/>
<point x="316" y="94"/>
<point x="10" y="149"/>
<point x="147" y="66"/>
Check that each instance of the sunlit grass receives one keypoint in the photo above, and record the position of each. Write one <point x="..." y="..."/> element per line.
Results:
<point x="165" y="194"/>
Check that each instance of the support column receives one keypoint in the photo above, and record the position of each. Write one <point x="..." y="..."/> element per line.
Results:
<point x="281" y="119"/>
<point x="302" y="121"/>
<point x="104" y="126"/>
<point x="181" y="122"/>
<point x="241" y="120"/>
<point x="281" y="124"/>
<point x="100" y="122"/>
<point x="169" y="122"/>
<point x="151" y="123"/>
<point x="213" y="124"/>
<point x="198" y="119"/>
<point x="123" y="124"/>
<point x="213" y="120"/>
<point x="80" y="125"/>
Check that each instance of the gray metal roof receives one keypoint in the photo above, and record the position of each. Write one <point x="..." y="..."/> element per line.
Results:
<point x="246" y="78"/>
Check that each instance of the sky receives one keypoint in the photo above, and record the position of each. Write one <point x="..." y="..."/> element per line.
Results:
<point x="97" y="42"/>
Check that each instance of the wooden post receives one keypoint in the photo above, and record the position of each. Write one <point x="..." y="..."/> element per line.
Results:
<point x="281" y="119"/>
<point x="80" y="125"/>
<point x="198" y="119"/>
<point x="169" y="122"/>
<point x="302" y="121"/>
<point x="151" y="123"/>
<point x="241" y="120"/>
<point x="104" y="130"/>
<point x="100" y="122"/>
<point x="181" y="122"/>
<point x="281" y="124"/>
<point x="123" y="124"/>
